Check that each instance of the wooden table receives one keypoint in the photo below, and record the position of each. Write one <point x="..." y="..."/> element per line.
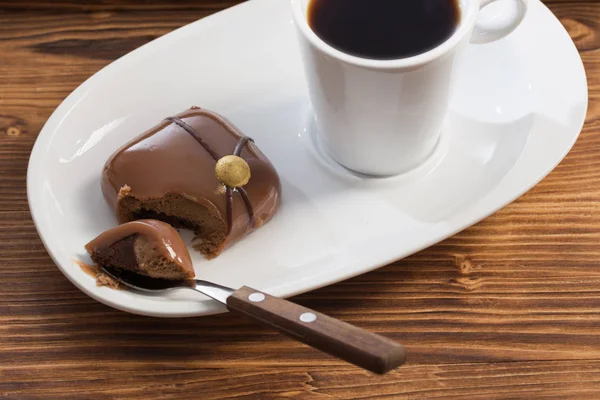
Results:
<point x="510" y="308"/>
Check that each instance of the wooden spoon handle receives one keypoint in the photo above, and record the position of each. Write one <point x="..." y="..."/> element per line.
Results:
<point x="350" y="343"/>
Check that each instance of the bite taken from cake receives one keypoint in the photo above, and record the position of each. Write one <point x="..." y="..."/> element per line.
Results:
<point x="196" y="171"/>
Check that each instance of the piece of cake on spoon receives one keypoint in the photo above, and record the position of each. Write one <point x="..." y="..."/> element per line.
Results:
<point x="148" y="248"/>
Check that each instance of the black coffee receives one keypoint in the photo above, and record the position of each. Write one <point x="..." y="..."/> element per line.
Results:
<point x="384" y="29"/>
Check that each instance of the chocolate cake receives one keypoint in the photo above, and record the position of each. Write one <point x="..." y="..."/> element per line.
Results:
<point x="195" y="171"/>
<point x="146" y="247"/>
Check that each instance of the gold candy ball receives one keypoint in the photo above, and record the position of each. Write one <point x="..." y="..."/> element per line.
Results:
<point x="233" y="171"/>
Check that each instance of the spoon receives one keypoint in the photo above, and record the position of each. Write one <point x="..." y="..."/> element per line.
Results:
<point x="365" y="349"/>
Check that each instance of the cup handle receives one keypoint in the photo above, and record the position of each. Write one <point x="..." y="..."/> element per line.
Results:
<point x="487" y="34"/>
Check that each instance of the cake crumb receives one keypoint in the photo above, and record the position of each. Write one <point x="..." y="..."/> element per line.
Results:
<point x="124" y="192"/>
<point x="101" y="278"/>
<point x="104" y="280"/>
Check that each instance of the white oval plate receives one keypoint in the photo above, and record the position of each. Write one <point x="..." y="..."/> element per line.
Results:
<point x="519" y="107"/>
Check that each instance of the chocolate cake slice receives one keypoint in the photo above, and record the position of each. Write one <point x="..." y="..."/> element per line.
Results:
<point x="195" y="171"/>
<point x="146" y="247"/>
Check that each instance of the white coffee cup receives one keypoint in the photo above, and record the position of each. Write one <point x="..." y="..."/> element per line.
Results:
<point x="384" y="117"/>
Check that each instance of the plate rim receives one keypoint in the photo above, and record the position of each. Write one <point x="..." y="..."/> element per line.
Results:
<point x="45" y="137"/>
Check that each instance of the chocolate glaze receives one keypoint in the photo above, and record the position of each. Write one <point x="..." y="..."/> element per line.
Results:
<point x="179" y="156"/>
<point x="161" y="237"/>
<point x="195" y="135"/>
<point x="248" y="204"/>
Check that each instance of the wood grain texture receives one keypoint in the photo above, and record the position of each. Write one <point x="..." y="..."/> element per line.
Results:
<point x="509" y="308"/>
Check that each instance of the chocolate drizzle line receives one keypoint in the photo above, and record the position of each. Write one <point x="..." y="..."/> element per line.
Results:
<point x="228" y="190"/>
<point x="195" y="135"/>
<point x="236" y="152"/>
<point x="240" y="145"/>
<point x="248" y="204"/>
<point x="229" y="199"/>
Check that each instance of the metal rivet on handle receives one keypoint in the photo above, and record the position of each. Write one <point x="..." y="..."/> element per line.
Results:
<point x="308" y="317"/>
<point x="256" y="297"/>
